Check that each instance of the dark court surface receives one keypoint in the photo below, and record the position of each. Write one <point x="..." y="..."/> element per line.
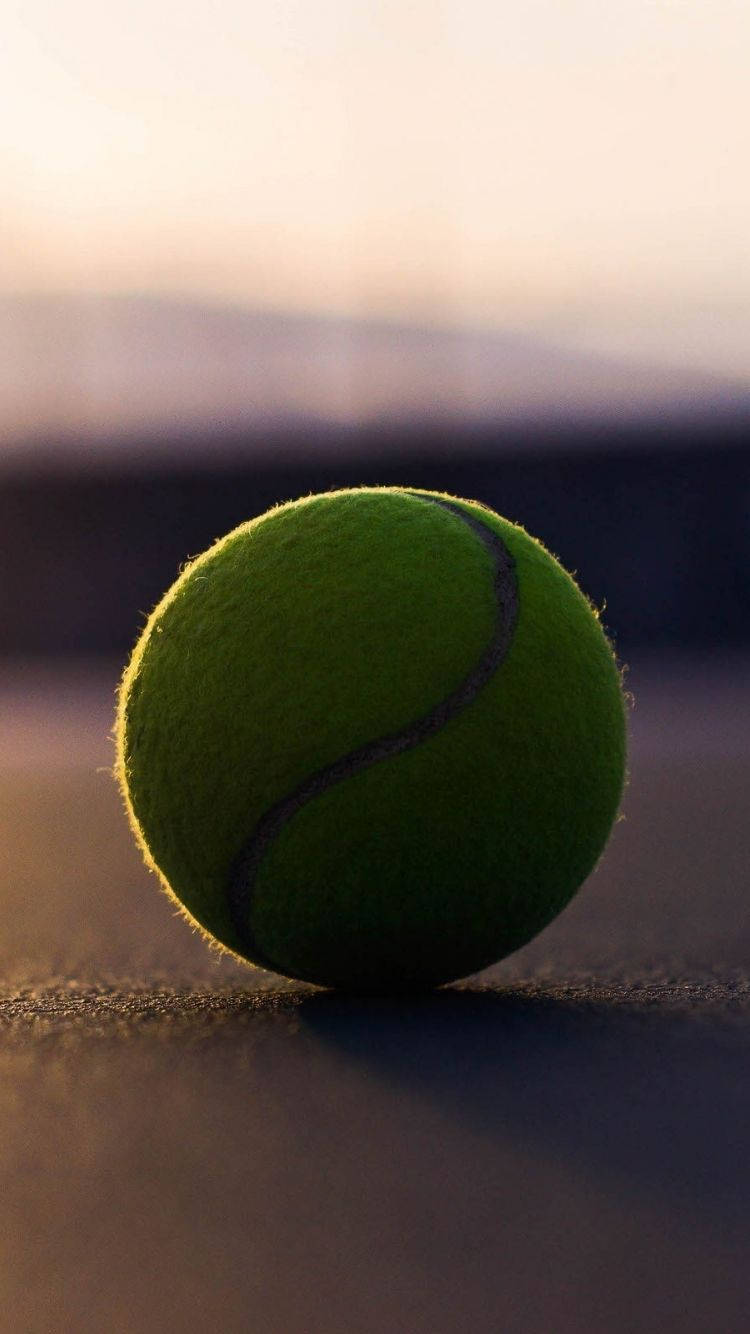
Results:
<point x="559" y="1146"/>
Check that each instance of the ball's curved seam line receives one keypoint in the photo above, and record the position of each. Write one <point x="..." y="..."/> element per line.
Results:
<point x="245" y="869"/>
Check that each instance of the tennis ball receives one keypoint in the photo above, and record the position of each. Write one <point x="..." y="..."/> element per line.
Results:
<point x="373" y="739"/>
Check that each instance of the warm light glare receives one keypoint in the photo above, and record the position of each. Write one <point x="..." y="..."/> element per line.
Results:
<point x="463" y="161"/>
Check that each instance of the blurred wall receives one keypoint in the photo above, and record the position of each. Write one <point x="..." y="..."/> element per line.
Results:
<point x="656" y="525"/>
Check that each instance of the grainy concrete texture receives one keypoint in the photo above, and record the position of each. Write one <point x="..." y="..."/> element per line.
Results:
<point x="560" y="1145"/>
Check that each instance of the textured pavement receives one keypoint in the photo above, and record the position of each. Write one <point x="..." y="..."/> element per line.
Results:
<point x="560" y="1145"/>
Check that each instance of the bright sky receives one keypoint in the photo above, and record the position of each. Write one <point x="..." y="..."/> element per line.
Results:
<point x="464" y="160"/>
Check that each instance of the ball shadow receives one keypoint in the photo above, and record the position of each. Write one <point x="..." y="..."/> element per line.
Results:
<point x="656" y="1101"/>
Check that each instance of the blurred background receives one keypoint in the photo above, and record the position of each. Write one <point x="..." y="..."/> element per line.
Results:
<point x="262" y="250"/>
<point x="252" y="250"/>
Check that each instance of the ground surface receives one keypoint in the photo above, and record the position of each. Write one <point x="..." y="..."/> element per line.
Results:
<point x="560" y="1145"/>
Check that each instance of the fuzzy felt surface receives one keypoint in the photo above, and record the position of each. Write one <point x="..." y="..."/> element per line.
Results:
<point x="318" y="628"/>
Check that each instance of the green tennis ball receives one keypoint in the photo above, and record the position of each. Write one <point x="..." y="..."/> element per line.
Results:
<point x="374" y="739"/>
